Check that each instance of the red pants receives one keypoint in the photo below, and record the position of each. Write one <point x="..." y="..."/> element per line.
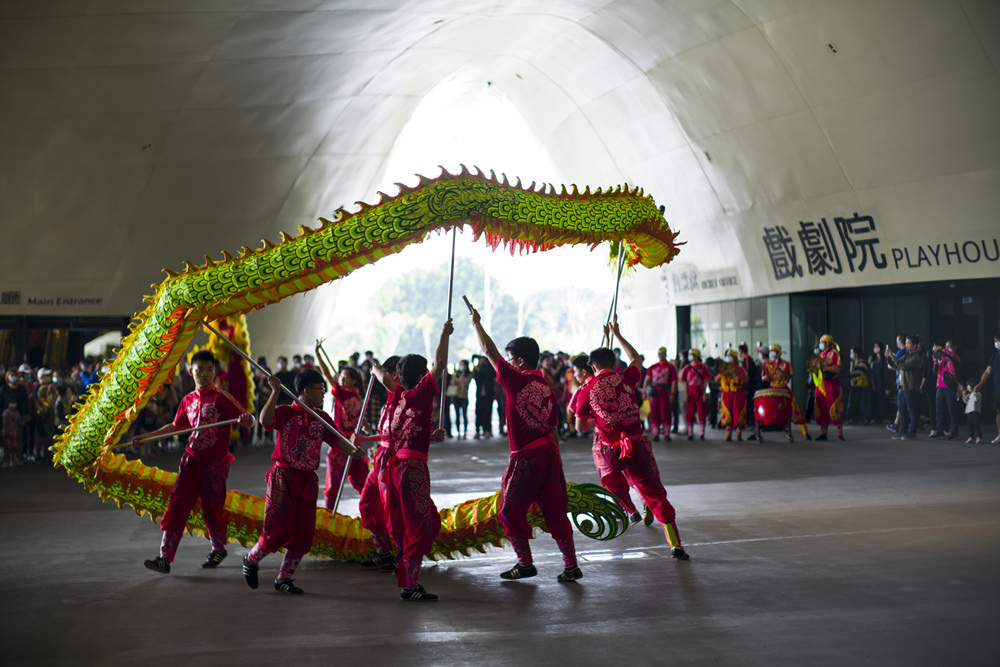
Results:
<point x="335" y="462"/>
<point x="371" y="508"/>
<point x="733" y="409"/>
<point x="289" y="510"/>
<point x="198" y="479"/>
<point x="695" y="402"/>
<point x="535" y="476"/>
<point x="612" y="478"/>
<point x="661" y="412"/>
<point x="640" y="469"/>
<point x="830" y="403"/>
<point x="413" y="518"/>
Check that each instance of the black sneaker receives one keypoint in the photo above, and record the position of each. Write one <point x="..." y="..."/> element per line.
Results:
<point x="284" y="586"/>
<point x="158" y="564"/>
<point x="634" y="518"/>
<point x="214" y="558"/>
<point x="667" y="437"/>
<point x="250" y="572"/>
<point x="679" y="553"/>
<point x="690" y="436"/>
<point x="647" y="516"/>
<point x="417" y="594"/>
<point x="840" y="436"/>
<point x="390" y="568"/>
<point x="702" y="437"/>
<point x="808" y="437"/>
<point x="729" y="438"/>
<point x="520" y="572"/>
<point x="570" y="574"/>
<point x="378" y="560"/>
<point x="821" y="437"/>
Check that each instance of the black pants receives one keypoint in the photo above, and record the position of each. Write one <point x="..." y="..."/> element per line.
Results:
<point x="975" y="430"/>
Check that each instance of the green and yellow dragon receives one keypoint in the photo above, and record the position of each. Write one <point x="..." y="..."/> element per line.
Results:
<point x="524" y="218"/>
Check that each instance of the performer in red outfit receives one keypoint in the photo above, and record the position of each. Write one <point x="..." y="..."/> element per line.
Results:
<point x="371" y="507"/>
<point x="696" y="375"/>
<point x="829" y="395"/>
<point x="204" y="467"/>
<point x="292" y="484"/>
<point x="778" y="374"/>
<point x="612" y="478"/>
<point x="413" y="519"/>
<point x="661" y="388"/>
<point x="733" y="406"/>
<point x="534" y="472"/>
<point x="609" y="405"/>
<point x="347" y="401"/>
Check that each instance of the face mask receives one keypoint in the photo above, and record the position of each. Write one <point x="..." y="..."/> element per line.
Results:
<point x="852" y="356"/>
<point x="772" y="355"/>
<point x="996" y="344"/>
<point x="56" y="379"/>
<point x="877" y="350"/>
<point x="691" y="356"/>
<point x="732" y="360"/>
<point x="822" y="345"/>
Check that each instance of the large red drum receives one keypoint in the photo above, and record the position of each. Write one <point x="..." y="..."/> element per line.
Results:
<point x="772" y="407"/>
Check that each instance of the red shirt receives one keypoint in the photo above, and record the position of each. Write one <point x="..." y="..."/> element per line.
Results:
<point x="385" y="418"/>
<point x="300" y="437"/>
<point x="347" y="408"/>
<point x="531" y="407"/>
<point x="696" y="375"/>
<point x="831" y="357"/>
<point x="610" y="401"/>
<point x="203" y="407"/>
<point x="662" y="373"/>
<point x="412" y="420"/>
<point x="769" y="372"/>
<point x="578" y="395"/>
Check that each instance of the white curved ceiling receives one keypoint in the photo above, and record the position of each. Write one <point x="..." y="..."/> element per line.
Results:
<point x="138" y="134"/>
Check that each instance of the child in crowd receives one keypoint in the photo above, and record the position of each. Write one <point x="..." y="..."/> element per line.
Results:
<point x="292" y="484"/>
<point x="973" y="404"/>
<point x="204" y="467"/>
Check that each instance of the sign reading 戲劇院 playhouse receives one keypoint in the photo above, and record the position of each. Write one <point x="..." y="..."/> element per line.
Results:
<point x="835" y="252"/>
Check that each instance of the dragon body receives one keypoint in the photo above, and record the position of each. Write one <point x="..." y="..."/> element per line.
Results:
<point x="496" y="210"/>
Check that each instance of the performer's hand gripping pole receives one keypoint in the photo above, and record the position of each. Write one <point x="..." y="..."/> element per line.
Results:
<point x="285" y="389"/>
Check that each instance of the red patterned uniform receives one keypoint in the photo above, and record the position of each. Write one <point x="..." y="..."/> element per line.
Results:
<point x="733" y="406"/>
<point x="696" y="375"/>
<point x="662" y="376"/>
<point x="371" y="507"/>
<point x="829" y="395"/>
<point x="413" y="518"/>
<point x="610" y="401"/>
<point x="347" y="410"/>
<point x="534" y="472"/>
<point x="203" y="470"/>
<point x="612" y="478"/>
<point x="292" y="483"/>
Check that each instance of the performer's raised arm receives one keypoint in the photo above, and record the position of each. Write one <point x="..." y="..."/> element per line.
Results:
<point x="489" y="348"/>
<point x="441" y="354"/>
<point x="633" y="356"/>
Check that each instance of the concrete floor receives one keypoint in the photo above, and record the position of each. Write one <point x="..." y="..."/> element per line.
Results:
<point x="869" y="551"/>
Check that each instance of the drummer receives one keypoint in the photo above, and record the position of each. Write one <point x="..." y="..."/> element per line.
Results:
<point x="778" y="373"/>
<point x="829" y="394"/>
<point x="732" y="378"/>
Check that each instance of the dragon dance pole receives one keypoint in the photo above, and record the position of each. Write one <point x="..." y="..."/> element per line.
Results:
<point x="613" y="309"/>
<point x="285" y="389"/>
<point x="136" y="441"/>
<point x="444" y="375"/>
<point x="347" y="464"/>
